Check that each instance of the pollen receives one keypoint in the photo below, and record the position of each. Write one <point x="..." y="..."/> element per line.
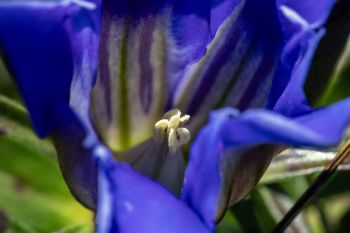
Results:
<point x="170" y="128"/>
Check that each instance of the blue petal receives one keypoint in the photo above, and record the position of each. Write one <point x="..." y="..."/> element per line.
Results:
<point x="41" y="45"/>
<point x="292" y="101"/>
<point x="202" y="180"/>
<point x="230" y="135"/>
<point x="196" y="23"/>
<point x="315" y="129"/>
<point x="126" y="196"/>
<point x="240" y="63"/>
<point x="220" y="10"/>
<point x="287" y="92"/>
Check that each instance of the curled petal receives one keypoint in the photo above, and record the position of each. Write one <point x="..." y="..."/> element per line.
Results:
<point x="292" y="101"/>
<point x="302" y="38"/>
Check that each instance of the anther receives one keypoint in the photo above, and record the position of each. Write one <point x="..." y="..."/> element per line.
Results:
<point x="171" y="128"/>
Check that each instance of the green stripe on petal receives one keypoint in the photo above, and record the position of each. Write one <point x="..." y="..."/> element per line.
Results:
<point x="123" y="91"/>
<point x="129" y="96"/>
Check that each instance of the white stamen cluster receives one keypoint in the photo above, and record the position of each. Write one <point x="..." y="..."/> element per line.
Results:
<point x="171" y="128"/>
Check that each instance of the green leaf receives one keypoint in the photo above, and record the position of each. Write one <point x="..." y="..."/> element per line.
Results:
<point x="270" y="207"/>
<point x="263" y="209"/>
<point x="33" y="193"/>
<point x="338" y="88"/>
<point x="75" y="229"/>
<point x="245" y="216"/>
<point x="228" y="224"/>
<point x="22" y="153"/>
<point x="6" y="86"/>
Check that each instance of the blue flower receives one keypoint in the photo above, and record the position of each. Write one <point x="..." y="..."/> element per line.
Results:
<point x="108" y="82"/>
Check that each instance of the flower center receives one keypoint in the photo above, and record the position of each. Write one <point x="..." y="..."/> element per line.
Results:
<point x="170" y="128"/>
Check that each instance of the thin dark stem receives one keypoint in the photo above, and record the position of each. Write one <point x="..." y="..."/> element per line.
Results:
<point x="315" y="187"/>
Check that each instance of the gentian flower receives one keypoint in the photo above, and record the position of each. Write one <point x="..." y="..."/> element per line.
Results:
<point x="127" y="89"/>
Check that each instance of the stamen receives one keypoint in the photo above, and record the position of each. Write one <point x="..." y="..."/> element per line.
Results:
<point x="184" y="119"/>
<point x="171" y="128"/>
